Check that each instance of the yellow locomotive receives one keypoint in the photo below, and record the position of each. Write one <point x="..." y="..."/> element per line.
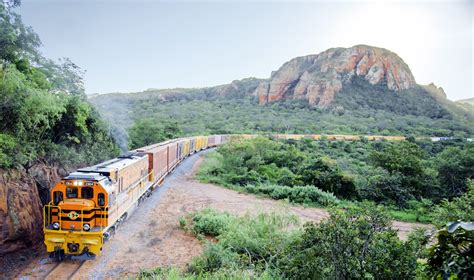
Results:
<point x="89" y="205"/>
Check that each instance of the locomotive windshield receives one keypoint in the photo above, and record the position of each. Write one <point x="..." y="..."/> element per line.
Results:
<point x="71" y="192"/>
<point x="87" y="192"/>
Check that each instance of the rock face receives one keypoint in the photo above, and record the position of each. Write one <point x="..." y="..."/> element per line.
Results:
<point x="318" y="78"/>
<point x="21" y="215"/>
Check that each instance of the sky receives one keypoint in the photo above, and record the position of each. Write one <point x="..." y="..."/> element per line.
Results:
<point x="129" y="46"/>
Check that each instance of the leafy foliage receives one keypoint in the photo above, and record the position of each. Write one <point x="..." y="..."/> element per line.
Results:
<point x="210" y="222"/>
<point x="452" y="256"/>
<point x="458" y="209"/>
<point x="148" y="131"/>
<point x="296" y="194"/>
<point x="350" y="245"/>
<point x="43" y="108"/>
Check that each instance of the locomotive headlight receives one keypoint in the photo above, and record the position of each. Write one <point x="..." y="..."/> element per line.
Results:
<point x="56" y="225"/>
<point x="86" y="227"/>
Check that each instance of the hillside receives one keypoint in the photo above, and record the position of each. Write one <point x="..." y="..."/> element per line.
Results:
<point x="469" y="101"/>
<point x="362" y="89"/>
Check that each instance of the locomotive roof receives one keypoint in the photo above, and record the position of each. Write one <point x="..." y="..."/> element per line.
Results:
<point x="114" y="164"/>
<point x="85" y="176"/>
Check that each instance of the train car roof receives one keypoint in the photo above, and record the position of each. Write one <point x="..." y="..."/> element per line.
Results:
<point x="154" y="146"/>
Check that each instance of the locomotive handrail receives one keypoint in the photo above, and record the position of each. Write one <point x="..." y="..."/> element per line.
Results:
<point x="49" y="216"/>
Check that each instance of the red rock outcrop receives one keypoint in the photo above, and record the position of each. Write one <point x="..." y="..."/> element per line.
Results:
<point x="20" y="205"/>
<point x="318" y="78"/>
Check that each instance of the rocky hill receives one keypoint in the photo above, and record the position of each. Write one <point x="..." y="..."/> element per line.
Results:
<point x="318" y="78"/>
<point x="361" y="89"/>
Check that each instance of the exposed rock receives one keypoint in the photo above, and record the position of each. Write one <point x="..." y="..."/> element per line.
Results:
<point x="20" y="205"/>
<point x="318" y="78"/>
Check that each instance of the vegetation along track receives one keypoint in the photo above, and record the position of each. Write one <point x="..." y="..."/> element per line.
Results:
<point x="152" y="237"/>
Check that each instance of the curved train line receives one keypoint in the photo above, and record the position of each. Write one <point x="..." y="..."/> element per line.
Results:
<point x="89" y="205"/>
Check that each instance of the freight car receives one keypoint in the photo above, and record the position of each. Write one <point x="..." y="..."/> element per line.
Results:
<point x="89" y="205"/>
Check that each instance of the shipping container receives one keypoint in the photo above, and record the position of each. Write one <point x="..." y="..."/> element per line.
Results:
<point x="211" y="142"/>
<point x="192" y="148"/>
<point x="158" y="161"/>
<point x="172" y="155"/>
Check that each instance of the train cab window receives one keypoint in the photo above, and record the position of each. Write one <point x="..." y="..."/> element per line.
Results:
<point x="87" y="192"/>
<point x="57" y="197"/>
<point x="101" y="199"/>
<point x="71" y="192"/>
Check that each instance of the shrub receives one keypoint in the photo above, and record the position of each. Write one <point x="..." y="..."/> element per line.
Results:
<point x="7" y="150"/>
<point x="350" y="244"/>
<point x="297" y="194"/>
<point x="209" y="222"/>
<point x="246" y="243"/>
<point x="459" y="209"/>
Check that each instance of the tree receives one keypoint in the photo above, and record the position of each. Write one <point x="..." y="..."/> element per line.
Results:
<point x="149" y="131"/>
<point x="458" y="209"/>
<point x="455" y="165"/>
<point x="351" y="244"/>
<point x="404" y="158"/>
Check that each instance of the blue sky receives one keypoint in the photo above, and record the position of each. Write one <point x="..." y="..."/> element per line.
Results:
<point x="134" y="45"/>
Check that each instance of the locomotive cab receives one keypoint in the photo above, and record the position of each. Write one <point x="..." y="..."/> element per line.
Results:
<point x="76" y="216"/>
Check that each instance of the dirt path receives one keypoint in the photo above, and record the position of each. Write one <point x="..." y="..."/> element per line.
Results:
<point x="152" y="237"/>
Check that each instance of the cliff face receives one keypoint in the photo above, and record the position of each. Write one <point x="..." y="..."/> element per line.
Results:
<point x="317" y="78"/>
<point x="21" y="192"/>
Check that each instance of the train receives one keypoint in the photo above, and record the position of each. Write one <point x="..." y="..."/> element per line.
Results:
<point x="88" y="205"/>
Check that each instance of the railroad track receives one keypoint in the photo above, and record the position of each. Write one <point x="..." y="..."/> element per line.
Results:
<point x="65" y="270"/>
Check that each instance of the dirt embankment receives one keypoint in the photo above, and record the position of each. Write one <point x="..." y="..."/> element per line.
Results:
<point x="152" y="237"/>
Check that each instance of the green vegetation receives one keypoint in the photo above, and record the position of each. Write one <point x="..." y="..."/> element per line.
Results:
<point x="350" y="244"/>
<point x="146" y="131"/>
<point x="452" y="256"/>
<point x="44" y="113"/>
<point x="458" y="209"/>
<point x="407" y="177"/>
<point x="360" y="108"/>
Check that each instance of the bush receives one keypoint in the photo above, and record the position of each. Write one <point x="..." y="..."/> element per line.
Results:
<point x="350" y="244"/>
<point x="245" y="243"/>
<point x="459" y="209"/>
<point x="7" y="150"/>
<point x="209" y="222"/>
<point x="452" y="256"/>
<point x="297" y="194"/>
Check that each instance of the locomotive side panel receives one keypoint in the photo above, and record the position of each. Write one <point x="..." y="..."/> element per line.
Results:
<point x="130" y="174"/>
